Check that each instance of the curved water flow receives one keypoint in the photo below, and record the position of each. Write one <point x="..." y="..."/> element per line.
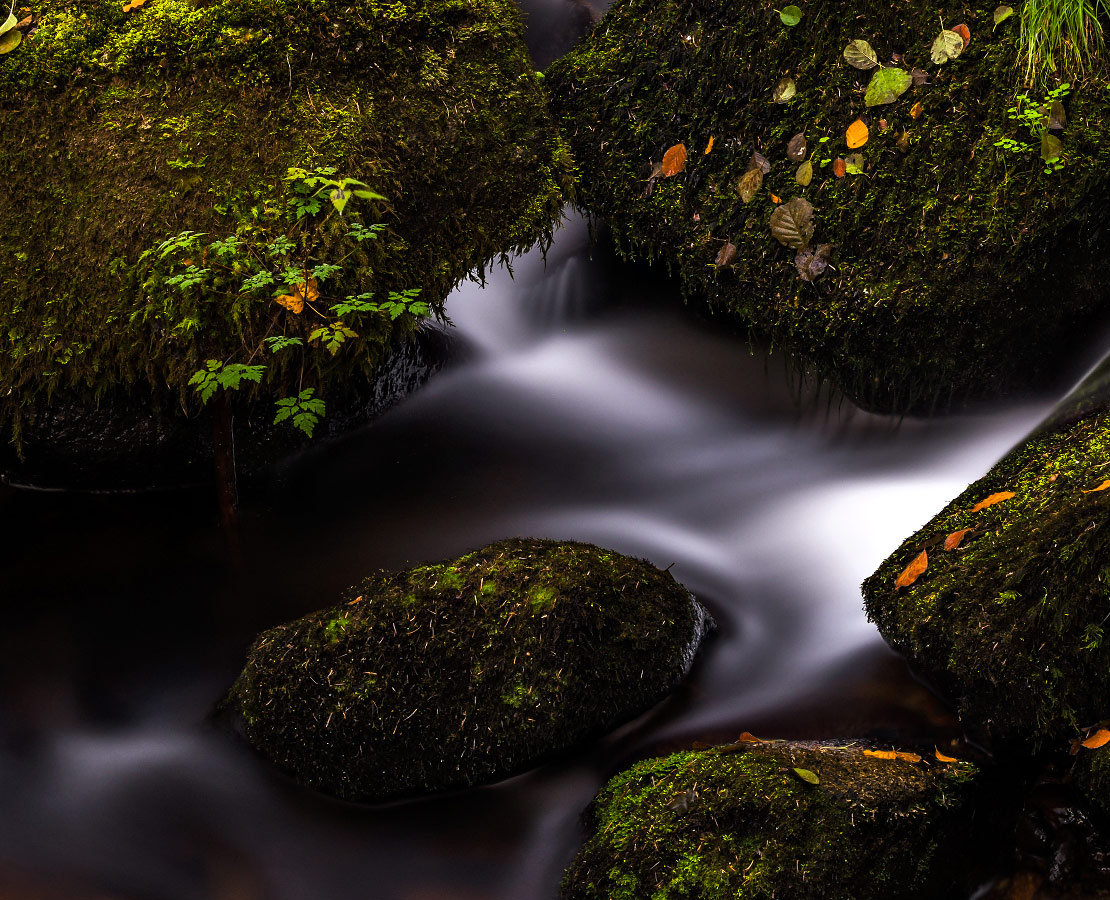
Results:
<point x="585" y="405"/>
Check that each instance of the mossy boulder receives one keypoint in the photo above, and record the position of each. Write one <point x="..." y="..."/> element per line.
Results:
<point x="453" y="674"/>
<point x="955" y="266"/>
<point x="123" y="129"/>
<point x="1010" y="623"/>
<point x="739" y="822"/>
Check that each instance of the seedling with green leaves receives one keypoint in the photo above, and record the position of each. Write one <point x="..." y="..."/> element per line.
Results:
<point x="1039" y="119"/>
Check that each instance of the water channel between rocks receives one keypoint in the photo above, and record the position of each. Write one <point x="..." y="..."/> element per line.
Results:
<point x="585" y="405"/>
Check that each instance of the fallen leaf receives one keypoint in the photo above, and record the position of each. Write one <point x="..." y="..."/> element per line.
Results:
<point x="913" y="571"/>
<point x="807" y="775"/>
<point x="709" y="146"/>
<point x="903" y="142"/>
<point x="792" y="223"/>
<point x="857" y="134"/>
<point x="775" y="198"/>
<point x="886" y="86"/>
<point x="784" y="90"/>
<point x="853" y="164"/>
<point x="992" y="500"/>
<point x="956" y="538"/>
<point x="860" y="55"/>
<point x="948" y="45"/>
<point x="1099" y="739"/>
<point x="1102" y="487"/>
<point x="840" y="169"/>
<point x="964" y="32"/>
<point x="748" y="185"/>
<point x="796" y="149"/>
<point x="908" y="757"/>
<point x="811" y="263"/>
<point x="917" y="109"/>
<point x="945" y="759"/>
<point x="881" y="754"/>
<point x="302" y="294"/>
<point x="748" y="738"/>
<point x="759" y="161"/>
<point x="1051" y="147"/>
<point x="804" y="175"/>
<point x="10" y="40"/>
<point x="134" y="4"/>
<point x="1057" y="116"/>
<point x="1002" y="13"/>
<point x="725" y="255"/>
<point x="919" y="77"/>
<point x="674" y="161"/>
<point x="790" y="16"/>
<point x="292" y="302"/>
<point x="883" y="125"/>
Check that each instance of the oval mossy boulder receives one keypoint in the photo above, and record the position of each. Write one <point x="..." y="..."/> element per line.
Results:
<point x="255" y="196"/>
<point x="928" y="218"/>
<point x="453" y="674"/>
<point x="743" y="822"/>
<point x="1009" y="614"/>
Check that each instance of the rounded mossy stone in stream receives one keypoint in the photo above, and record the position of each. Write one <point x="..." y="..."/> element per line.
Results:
<point x="453" y="674"/>
<point x="124" y="129"/>
<point x="955" y="266"/>
<point x="1011" y="621"/>
<point x="742" y="822"/>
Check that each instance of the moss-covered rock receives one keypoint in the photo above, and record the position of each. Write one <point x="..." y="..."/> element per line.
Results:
<point x="956" y="264"/>
<point x="739" y="822"/>
<point x="453" y="674"/>
<point x="123" y="129"/>
<point x="1010" y="623"/>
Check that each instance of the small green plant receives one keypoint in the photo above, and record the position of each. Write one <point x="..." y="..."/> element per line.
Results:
<point x="1038" y="119"/>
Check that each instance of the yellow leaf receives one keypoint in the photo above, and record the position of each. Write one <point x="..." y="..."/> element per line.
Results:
<point x="1102" y="487"/>
<point x="917" y="109"/>
<point x="857" y="134"/>
<point x="881" y="754"/>
<point x="709" y="146"/>
<point x="992" y="500"/>
<point x="292" y="302"/>
<point x="309" y="291"/>
<point x="945" y="759"/>
<point x="1098" y="739"/>
<point x="776" y="199"/>
<point x="674" y="160"/>
<point x="955" y="538"/>
<point x="913" y="571"/>
<point x="134" y="4"/>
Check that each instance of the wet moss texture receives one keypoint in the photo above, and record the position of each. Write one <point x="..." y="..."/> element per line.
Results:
<point x="453" y="674"/>
<point x="122" y="128"/>
<point x="737" y="822"/>
<point x="956" y="266"/>
<point x="1012" y="623"/>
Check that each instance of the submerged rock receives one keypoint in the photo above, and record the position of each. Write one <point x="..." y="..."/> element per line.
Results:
<point x="741" y="822"/>
<point x="1011" y="621"/>
<point x="941" y="265"/>
<point x="125" y="126"/>
<point x="453" y="674"/>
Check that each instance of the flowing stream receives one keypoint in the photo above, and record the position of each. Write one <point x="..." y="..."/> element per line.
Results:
<point x="585" y="404"/>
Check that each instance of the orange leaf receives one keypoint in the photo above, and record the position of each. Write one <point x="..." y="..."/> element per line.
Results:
<point x="858" y="134"/>
<point x="1098" y="739"/>
<point x="1101" y="487"/>
<point x="709" y="146"/>
<point x="134" y="4"/>
<point x="955" y="538"/>
<point x="964" y="32"/>
<point x="917" y="109"/>
<point x="945" y="759"/>
<point x="309" y="291"/>
<point x="881" y="754"/>
<point x="292" y="302"/>
<point x="840" y="168"/>
<point x="913" y="571"/>
<point x="748" y="738"/>
<point x="992" y="499"/>
<point x="674" y="160"/>
<point x="775" y="199"/>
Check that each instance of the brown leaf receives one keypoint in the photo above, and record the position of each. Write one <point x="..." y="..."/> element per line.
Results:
<point x="1102" y="487"/>
<point x="955" y="539"/>
<point x="804" y="175"/>
<point x="674" y="161"/>
<point x="1057" y="116"/>
<point x="919" y="77"/>
<point x="917" y="109"/>
<point x="810" y="263"/>
<point x="759" y="161"/>
<point x="796" y="149"/>
<point x="792" y="223"/>
<point x="913" y="571"/>
<point x="858" y="134"/>
<point x="749" y="184"/>
<point x="881" y="754"/>
<point x="726" y="255"/>
<point x="840" y="168"/>
<point x="1000" y="497"/>
<point x="945" y="759"/>
<point x="883" y="125"/>
<point x="1099" y="739"/>
<point x="709" y="146"/>
<point x="748" y="738"/>
<point x="964" y="32"/>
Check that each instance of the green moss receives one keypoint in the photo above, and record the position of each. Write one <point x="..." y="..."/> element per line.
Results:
<point x="433" y="103"/>
<point x="941" y="233"/>
<point x="737" y="823"/>
<point x="1009" y="623"/>
<point x="432" y="679"/>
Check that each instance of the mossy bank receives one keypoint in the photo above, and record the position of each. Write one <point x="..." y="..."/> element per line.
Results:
<point x="740" y="822"/>
<point x="1010" y="614"/>
<point x="955" y="267"/>
<point x="453" y="674"/>
<point x="122" y="129"/>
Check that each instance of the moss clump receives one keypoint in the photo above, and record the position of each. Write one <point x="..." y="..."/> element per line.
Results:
<point x="956" y="265"/>
<point x="1011" y="623"/>
<point x="431" y="679"/>
<point x="122" y="129"/>
<point x="738" y="823"/>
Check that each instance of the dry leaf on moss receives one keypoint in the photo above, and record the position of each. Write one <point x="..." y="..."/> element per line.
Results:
<point x="913" y="571"/>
